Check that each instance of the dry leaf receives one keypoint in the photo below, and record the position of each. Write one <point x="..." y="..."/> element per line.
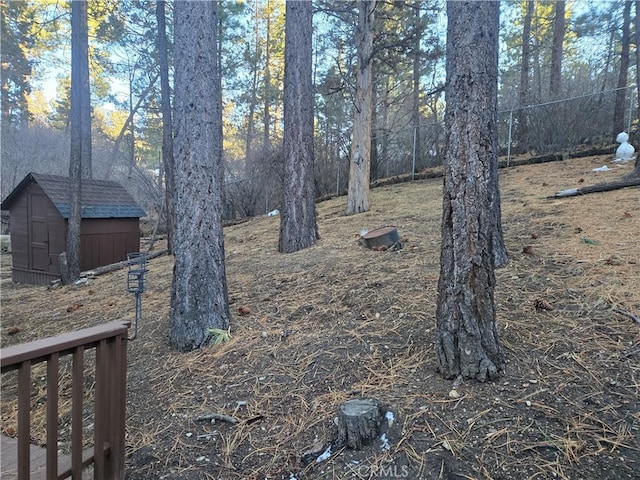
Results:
<point x="13" y="331"/>
<point x="528" y="249"/>
<point x="74" y="307"/>
<point x="244" y="311"/>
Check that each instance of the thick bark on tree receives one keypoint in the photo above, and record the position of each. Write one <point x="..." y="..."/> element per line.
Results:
<point x="467" y="335"/>
<point x="79" y="63"/>
<point x="298" y="226"/>
<point x="199" y="299"/>
<point x="358" y="193"/>
<point x="498" y="248"/>
<point x="621" y="93"/>
<point x="556" y="50"/>
<point x="167" y="124"/>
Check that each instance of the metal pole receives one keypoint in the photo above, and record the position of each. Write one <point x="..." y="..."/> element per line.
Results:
<point x="386" y="162"/>
<point x="509" y="143"/>
<point x="413" y="163"/>
<point x="631" y="89"/>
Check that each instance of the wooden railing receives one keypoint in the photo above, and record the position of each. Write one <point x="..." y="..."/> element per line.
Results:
<point x="108" y="451"/>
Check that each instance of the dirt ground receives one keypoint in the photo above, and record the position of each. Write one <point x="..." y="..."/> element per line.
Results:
<point x="338" y="321"/>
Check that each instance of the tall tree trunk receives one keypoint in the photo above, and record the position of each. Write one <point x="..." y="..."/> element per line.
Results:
<point x="220" y="31"/>
<point x="523" y="93"/>
<point x="374" y="170"/>
<point x="537" y="70"/>
<point x="132" y="128"/>
<point x="199" y="299"/>
<point x="358" y="193"/>
<point x="384" y="113"/>
<point x="607" y="61"/>
<point x="298" y="227"/>
<point x="85" y="94"/>
<point x="415" y="99"/>
<point x="556" y="51"/>
<point x="621" y="92"/>
<point x="466" y="334"/>
<point x="266" y="141"/>
<point x="125" y="127"/>
<point x="250" y="163"/>
<point x="637" y="31"/>
<point x="70" y="267"/>
<point x="167" y="123"/>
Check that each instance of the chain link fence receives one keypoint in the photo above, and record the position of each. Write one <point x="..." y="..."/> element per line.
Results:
<point x="560" y="126"/>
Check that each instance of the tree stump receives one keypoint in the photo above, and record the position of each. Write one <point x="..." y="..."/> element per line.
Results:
<point x="382" y="238"/>
<point x="359" y="422"/>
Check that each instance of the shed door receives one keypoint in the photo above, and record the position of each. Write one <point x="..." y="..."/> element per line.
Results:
<point x="38" y="233"/>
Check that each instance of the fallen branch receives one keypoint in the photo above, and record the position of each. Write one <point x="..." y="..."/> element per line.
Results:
<point x="216" y="416"/>
<point x="117" y="266"/>
<point x="633" y="317"/>
<point x="601" y="187"/>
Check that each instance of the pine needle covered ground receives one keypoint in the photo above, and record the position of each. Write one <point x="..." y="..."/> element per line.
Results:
<point x="336" y="321"/>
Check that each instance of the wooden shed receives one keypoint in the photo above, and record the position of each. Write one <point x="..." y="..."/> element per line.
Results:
<point x="38" y="215"/>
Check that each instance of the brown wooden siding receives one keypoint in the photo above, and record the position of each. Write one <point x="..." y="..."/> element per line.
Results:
<point x="38" y="215"/>
<point x="19" y="233"/>
<point x="103" y="241"/>
<point x="32" y="277"/>
<point x="22" y="228"/>
<point x="57" y="240"/>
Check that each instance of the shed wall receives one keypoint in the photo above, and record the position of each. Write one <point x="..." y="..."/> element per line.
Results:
<point x="103" y="241"/>
<point x="108" y="240"/>
<point x="42" y="266"/>
<point x="19" y="233"/>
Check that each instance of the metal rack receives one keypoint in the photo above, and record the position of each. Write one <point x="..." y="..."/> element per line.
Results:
<point x="135" y="283"/>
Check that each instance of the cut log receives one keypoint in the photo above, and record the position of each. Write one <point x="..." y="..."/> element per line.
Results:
<point x="382" y="238"/>
<point x="601" y="187"/>
<point x="359" y="422"/>
<point x="117" y="266"/>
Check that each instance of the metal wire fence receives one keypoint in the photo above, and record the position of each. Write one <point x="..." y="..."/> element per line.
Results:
<point x="557" y="126"/>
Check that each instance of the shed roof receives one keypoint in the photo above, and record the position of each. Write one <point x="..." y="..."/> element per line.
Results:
<point x="100" y="198"/>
